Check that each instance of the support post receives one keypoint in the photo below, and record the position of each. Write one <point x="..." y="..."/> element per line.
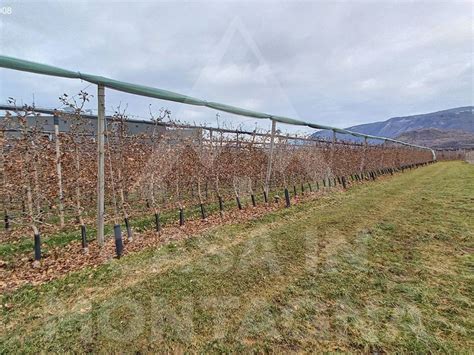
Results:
<point x="59" y="170"/>
<point x="100" y="163"/>
<point x="85" y="248"/>
<point x="270" y="159"/>
<point x="287" y="198"/>
<point x="181" y="216"/>
<point x="3" y="171"/>
<point x="364" y="152"/>
<point x="331" y="156"/>
<point x="383" y="146"/>
<point x="334" y="139"/>
<point x="118" y="240"/>
<point x="221" y="206"/>
<point x="157" y="222"/>
<point x="344" y="184"/>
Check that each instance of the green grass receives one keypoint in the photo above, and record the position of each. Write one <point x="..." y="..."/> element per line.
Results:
<point x="9" y="251"/>
<point x="385" y="266"/>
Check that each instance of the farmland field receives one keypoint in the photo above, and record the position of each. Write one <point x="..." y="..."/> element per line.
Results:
<point x="383" y="266"/>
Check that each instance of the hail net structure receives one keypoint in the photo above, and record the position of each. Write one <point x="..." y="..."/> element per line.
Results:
<point x="82" y="173"/>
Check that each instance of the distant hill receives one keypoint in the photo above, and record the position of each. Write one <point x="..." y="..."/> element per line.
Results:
<point x="437" y="138"/>
<point x="459" y="119"/>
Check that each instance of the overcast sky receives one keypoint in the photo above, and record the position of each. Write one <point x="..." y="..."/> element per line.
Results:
<point x="336" y="63"/>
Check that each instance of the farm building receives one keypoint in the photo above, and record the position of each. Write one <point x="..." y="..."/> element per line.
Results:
<point x="44" y="122"/>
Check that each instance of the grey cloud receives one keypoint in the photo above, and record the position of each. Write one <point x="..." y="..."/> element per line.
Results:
<point x="340" y="63"/>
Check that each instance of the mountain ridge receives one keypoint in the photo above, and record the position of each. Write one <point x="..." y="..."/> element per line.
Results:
<point x="460" y="119"/>
<point x="439" y="139"/>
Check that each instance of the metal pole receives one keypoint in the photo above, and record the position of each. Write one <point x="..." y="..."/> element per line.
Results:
<point x="270" y="158"/>
<point x="362" y="163"/>
<point x="333" y="145"/>
<point x="59" y="170"/>
<point x="382" y="155"/>
<point x="5" y="195"/>
<point x="100" y="163"/>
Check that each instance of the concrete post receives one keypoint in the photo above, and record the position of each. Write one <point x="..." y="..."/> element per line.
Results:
<point x="270" y="159"/>
<point x="100" y="163"/>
